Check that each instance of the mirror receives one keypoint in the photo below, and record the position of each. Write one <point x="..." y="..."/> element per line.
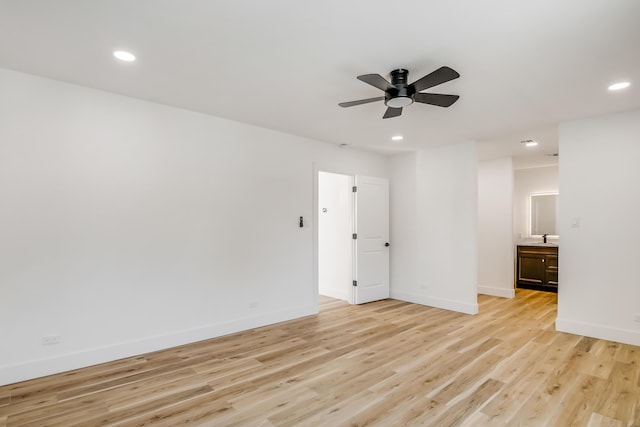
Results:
<point x="544" y="208"/>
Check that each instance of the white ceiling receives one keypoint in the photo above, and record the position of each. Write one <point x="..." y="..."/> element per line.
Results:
<point x="286" y="64"/>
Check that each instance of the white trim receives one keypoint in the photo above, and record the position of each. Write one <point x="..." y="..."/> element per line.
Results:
<point x="497" y="292"/>
<point x="38" y="368"/>
<point x="625" y="336"/>
<point x="342" y="295"/>
<point x="315" y="204"/>
<point x="446" y="304"/>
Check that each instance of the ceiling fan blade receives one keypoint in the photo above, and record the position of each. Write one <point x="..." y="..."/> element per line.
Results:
<point x="376" y="80"/>
<point x="392" y="112"/>
<point x="436" y="99"/>
<point x="439" y="76"/>
<point x="361" y="101"/>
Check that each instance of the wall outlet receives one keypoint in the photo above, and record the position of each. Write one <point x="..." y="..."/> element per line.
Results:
<point x="636" y="317"/>
<point x="51" y="339"/>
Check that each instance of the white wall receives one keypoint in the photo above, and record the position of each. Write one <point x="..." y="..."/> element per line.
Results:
<point x="495" y="228"/>
<point x="526" y="182"/>
<point x="128" y="226"/>
<point x="442" y="272"/>
<point x="335" y="227"/>
<point x="599" y="293"/>
<point x="403" y="223"/>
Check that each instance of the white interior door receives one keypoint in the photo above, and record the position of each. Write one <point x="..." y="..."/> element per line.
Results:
<point x="371" y="246"/>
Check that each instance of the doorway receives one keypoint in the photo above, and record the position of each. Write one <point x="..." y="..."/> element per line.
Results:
<point x="353" y="237"/>
<point x="335" y="229"/>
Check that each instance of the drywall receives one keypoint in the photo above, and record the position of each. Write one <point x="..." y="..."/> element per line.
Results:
<point x="495" y="228"/>
<point x="403" y="223"/>
<point x="443" y="270"/>
<point x="335" y="227"/>
<point x="598" y="292"/>
<point x="526" y="182"/>
<point x="128" y="226"/>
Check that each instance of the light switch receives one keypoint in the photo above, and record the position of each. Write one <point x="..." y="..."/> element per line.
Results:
<point x="575" y="222"/>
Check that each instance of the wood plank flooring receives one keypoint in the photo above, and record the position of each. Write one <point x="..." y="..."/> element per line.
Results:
<point x="387" y="363"/>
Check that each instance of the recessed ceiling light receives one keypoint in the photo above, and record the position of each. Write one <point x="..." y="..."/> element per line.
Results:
<point x="620" y="85"/>
<point x="397" y="138"/>
<point x="529" y="143"/>
<point x="124" y="55"/>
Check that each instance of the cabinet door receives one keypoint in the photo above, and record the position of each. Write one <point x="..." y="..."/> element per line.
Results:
<point x="531" y="268"/>
<point x="551" y="270"/>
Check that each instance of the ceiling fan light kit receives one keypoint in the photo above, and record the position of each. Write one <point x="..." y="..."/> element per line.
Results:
<point x="399" y="94"/>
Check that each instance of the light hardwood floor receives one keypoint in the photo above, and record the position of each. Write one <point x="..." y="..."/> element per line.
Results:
<point x="384" y="363"/>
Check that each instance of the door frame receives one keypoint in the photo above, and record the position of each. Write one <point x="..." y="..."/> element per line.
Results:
<point x="316" y="229"/>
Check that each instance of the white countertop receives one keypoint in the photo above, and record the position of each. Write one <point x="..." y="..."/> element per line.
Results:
<point x="546" y="245"/>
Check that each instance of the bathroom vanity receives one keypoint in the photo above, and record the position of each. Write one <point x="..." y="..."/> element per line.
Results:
<point x="537" y="267"/>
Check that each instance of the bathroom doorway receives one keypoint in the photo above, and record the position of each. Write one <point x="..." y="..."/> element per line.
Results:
<point x="335" y="229"/>
<point x="353" y="237"/>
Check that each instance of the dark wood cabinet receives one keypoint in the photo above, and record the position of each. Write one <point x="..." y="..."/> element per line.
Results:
<point x="537" y="268"/>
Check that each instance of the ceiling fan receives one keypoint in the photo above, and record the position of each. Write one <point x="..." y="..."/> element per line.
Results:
<point x="399" y="93"/>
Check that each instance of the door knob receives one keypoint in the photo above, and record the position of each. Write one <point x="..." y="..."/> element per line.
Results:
<point x="387" y="244"/>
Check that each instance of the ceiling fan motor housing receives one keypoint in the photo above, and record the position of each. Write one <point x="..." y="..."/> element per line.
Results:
<point x="400" y="77"/>
<point x="402" y="96"/>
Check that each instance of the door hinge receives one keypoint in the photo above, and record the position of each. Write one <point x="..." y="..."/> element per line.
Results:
<point x="354" y="236"/>
<point x="355" y="283"/>
<point x="354" y="189"/>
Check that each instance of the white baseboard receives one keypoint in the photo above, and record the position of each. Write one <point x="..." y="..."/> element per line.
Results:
<point x="447" y="304"/>
<point x="10" y="374"/>
<point x="593" y="330"/>
<point x="497" y="292"/>
<point x="337" y="294"/>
